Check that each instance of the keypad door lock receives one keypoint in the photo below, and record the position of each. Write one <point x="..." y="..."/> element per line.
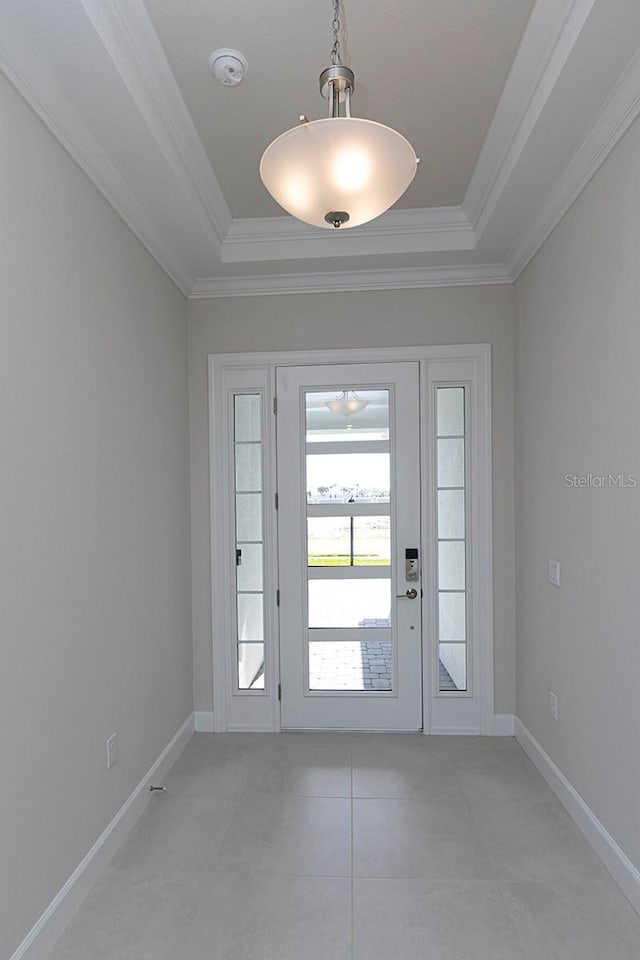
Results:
<point x="411" y="565"/>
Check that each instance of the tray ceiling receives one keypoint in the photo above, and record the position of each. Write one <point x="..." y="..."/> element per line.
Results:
<point x="511" y="105"/>
<point x="433" y="70"/>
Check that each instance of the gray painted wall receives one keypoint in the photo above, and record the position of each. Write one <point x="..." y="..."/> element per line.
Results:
<point x="94" y="501"/>
<point x="577" y="409"/>
<point x="387" y="318"/>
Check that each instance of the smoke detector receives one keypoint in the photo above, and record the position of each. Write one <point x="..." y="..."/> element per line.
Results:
<point x="228" y="66"/>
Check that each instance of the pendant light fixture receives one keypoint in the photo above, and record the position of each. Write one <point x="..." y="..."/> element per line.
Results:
<point x="347" y="404"/>
<point x="340" y="171"/>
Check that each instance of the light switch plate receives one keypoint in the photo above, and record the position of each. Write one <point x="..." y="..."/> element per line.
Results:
<point x="554" y="572"/>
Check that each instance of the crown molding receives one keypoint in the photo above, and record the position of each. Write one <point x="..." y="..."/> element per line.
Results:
<point x="350" y="280"/>
<point x="25" y="70"/>
<point x="417" y="220"/>
<point x="162" y="185"/>
<point x="398" y="231"/>
<point x="550" y="35"/>
<point x="127" y="33"/>
<point x="614" y="119"/>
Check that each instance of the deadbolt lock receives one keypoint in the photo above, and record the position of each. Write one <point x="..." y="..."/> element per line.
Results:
<point x="411" y="565"/>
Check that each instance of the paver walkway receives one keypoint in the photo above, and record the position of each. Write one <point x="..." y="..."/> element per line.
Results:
<point x="363" y="665"/>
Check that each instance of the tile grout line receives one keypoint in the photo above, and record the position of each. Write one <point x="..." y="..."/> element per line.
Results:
<point x="352" y="945"/>
<point x="520" y="940"/>
<point x="525" y="952"/>
<point x="232" y="816"/>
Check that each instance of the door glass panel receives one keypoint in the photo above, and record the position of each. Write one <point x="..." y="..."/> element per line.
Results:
<point x="329" y="541"/>
<point x="451" y="462"/>
<point x="347" y="415"/>
<point x="250" y="622"/>
<point x="249" y="561"/>
<point x="248" y="468"/>
<point x="247" y="417"/>
<point x="452" y="646"/>
<point x="451" y="565"/>
<point x="451" y="514"/>
<point x="348" y="541"/>
<point x="348" y="477"/>
<point x="356" y="665"/>
<point x="450" y="413"/>
<point x="251" y="666"/>
<point x="249" y="517"/>
<point x="452" y="617"/>
<point x="371" y="541"/>
<point x="338" y="486"/>
<point x="453" y="667"/>
<point x="349" y="603"/>
<point x="249" y="566"/>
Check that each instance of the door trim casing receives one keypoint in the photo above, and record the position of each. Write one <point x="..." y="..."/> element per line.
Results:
<point x="220" y="535"/>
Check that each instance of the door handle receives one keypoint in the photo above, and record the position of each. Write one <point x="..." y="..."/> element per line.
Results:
<point x="410" y="594"/>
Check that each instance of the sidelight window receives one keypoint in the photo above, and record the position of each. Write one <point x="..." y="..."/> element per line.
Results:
<point x="452" y="538"/>
<point x="249" y="541"/>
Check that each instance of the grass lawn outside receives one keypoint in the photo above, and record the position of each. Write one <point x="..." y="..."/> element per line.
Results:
<point x="344" y="560"/>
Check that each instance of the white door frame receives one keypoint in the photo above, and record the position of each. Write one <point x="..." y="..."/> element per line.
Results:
<point x="254" y="711"/>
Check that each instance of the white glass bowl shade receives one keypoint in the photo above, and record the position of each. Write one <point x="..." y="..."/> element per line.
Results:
<point x="338" y="164"/>
<point x="347" y="404"/>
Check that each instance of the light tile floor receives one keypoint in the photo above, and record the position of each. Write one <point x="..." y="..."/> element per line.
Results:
<point x="353" y="847"/>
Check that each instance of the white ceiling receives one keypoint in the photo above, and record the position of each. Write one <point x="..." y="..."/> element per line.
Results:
<point x="510" y="126"/>
<point x="433" y="69"/>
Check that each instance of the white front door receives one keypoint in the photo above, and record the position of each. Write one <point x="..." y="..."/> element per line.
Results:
<point x="348" y="455"/>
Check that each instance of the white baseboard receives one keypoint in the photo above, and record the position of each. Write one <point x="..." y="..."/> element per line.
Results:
<point x="251" y="728"/>
<point x="454" y="732"/>
<point x="204" y="721"/>
<point x="47" y="930"/>
<point x="614" y="858"/>
<point x="504" y="725"/>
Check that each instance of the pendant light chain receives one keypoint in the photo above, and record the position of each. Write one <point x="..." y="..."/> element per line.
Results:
<point x="335" y="49"/>
<point x="340" y="171"/>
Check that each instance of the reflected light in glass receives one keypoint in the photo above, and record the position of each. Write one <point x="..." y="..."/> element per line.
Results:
<point x="346" y="405"/>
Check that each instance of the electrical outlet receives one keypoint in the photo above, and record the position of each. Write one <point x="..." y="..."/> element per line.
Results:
<point x="554" y="572"/>
<point x="112" y="750"/>
<point x="553" y="706"/>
